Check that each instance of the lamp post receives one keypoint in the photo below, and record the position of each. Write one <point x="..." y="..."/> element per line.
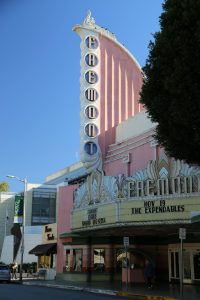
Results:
<point x="23" y="221"/>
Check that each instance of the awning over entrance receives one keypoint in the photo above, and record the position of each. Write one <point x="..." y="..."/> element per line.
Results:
<point x="195" y="216"/>
<point x="195" y="219"/>
<point x="68" y="234"/>
<point x="44" y="249"/>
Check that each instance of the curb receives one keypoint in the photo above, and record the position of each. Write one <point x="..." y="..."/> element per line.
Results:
<point x="144" y="297"/>
<point x="74" y="288"/>
<point x="101" y="291"/>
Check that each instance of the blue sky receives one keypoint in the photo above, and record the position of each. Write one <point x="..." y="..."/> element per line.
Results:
<point x="40" y="72"/>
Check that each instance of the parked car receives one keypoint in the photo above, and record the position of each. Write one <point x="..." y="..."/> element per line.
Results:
<point x="5" y="274"/>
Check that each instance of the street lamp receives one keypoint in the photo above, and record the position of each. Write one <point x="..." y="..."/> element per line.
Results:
<point x="23" y="221"/>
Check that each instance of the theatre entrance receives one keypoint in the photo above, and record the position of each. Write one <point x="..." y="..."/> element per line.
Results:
<point x="191" y="263"/>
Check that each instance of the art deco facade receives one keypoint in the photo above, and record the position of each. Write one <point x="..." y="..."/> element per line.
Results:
<point x="125" y="185"/>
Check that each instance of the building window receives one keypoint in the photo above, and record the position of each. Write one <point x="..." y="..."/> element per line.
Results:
<point x="99" y="260"/>
<point x="67" y="261"/>
<point x="77" y="260"/>
<point x="44" y="261"/>
<point x="43" y="206"/>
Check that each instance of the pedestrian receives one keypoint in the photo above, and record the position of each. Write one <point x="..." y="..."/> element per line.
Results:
<point x="149" y="273"/>
<point x="11" y="269"/>
<point x="14" y="270"/>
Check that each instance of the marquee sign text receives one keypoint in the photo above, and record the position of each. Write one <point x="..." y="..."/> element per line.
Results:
<point x="92" y="218"/>
<point x="151" y="208"/>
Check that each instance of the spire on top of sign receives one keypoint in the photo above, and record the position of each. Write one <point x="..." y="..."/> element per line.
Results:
<point x="89" y="20"/>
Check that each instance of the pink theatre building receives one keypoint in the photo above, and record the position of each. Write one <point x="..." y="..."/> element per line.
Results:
<point x="126" y="202"/>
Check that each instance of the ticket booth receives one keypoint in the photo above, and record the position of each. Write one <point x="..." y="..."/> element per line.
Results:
<point x="133" y="267"/>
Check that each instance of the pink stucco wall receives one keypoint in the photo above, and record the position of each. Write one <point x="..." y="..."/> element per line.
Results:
<point x="140" y="151"/>
<point x="120" y="85"/>
<point x="121" y="81"/>
<point x="65" y="205"/>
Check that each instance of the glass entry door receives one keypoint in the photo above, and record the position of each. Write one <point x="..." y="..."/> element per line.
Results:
<point x="191" y="264"/>
<point x="187" y="278"/>
<point x="174" y="266"/>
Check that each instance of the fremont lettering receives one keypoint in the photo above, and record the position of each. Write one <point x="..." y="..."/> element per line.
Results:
<point x="165" y="186"/>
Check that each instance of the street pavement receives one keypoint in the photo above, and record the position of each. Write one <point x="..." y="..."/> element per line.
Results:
<point x="138" y="291"/>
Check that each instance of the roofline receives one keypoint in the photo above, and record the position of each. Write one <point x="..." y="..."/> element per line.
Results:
<point x="103" y="32"/>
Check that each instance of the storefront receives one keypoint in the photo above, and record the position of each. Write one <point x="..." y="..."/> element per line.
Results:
<point x="94" y="247"/>
<point x="46" y="252"/>
<point x="190" y="256"/>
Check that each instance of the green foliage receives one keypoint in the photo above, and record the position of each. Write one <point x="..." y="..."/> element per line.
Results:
<point x="4" y="186"/>
<point x="171" y="89"/>
<point x="30" y="267"/>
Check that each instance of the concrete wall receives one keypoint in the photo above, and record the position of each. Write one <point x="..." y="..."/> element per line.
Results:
<point x="133" y="127"/>
<point x="6" y="210"/>
<point x="31" y="240"/>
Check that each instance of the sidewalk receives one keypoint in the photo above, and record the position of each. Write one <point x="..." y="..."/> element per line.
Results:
<point x="139" y="291"/>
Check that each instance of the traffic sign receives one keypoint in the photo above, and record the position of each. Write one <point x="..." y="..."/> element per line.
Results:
<point x="126" y="241"/>
<point x="182" y="233"/>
